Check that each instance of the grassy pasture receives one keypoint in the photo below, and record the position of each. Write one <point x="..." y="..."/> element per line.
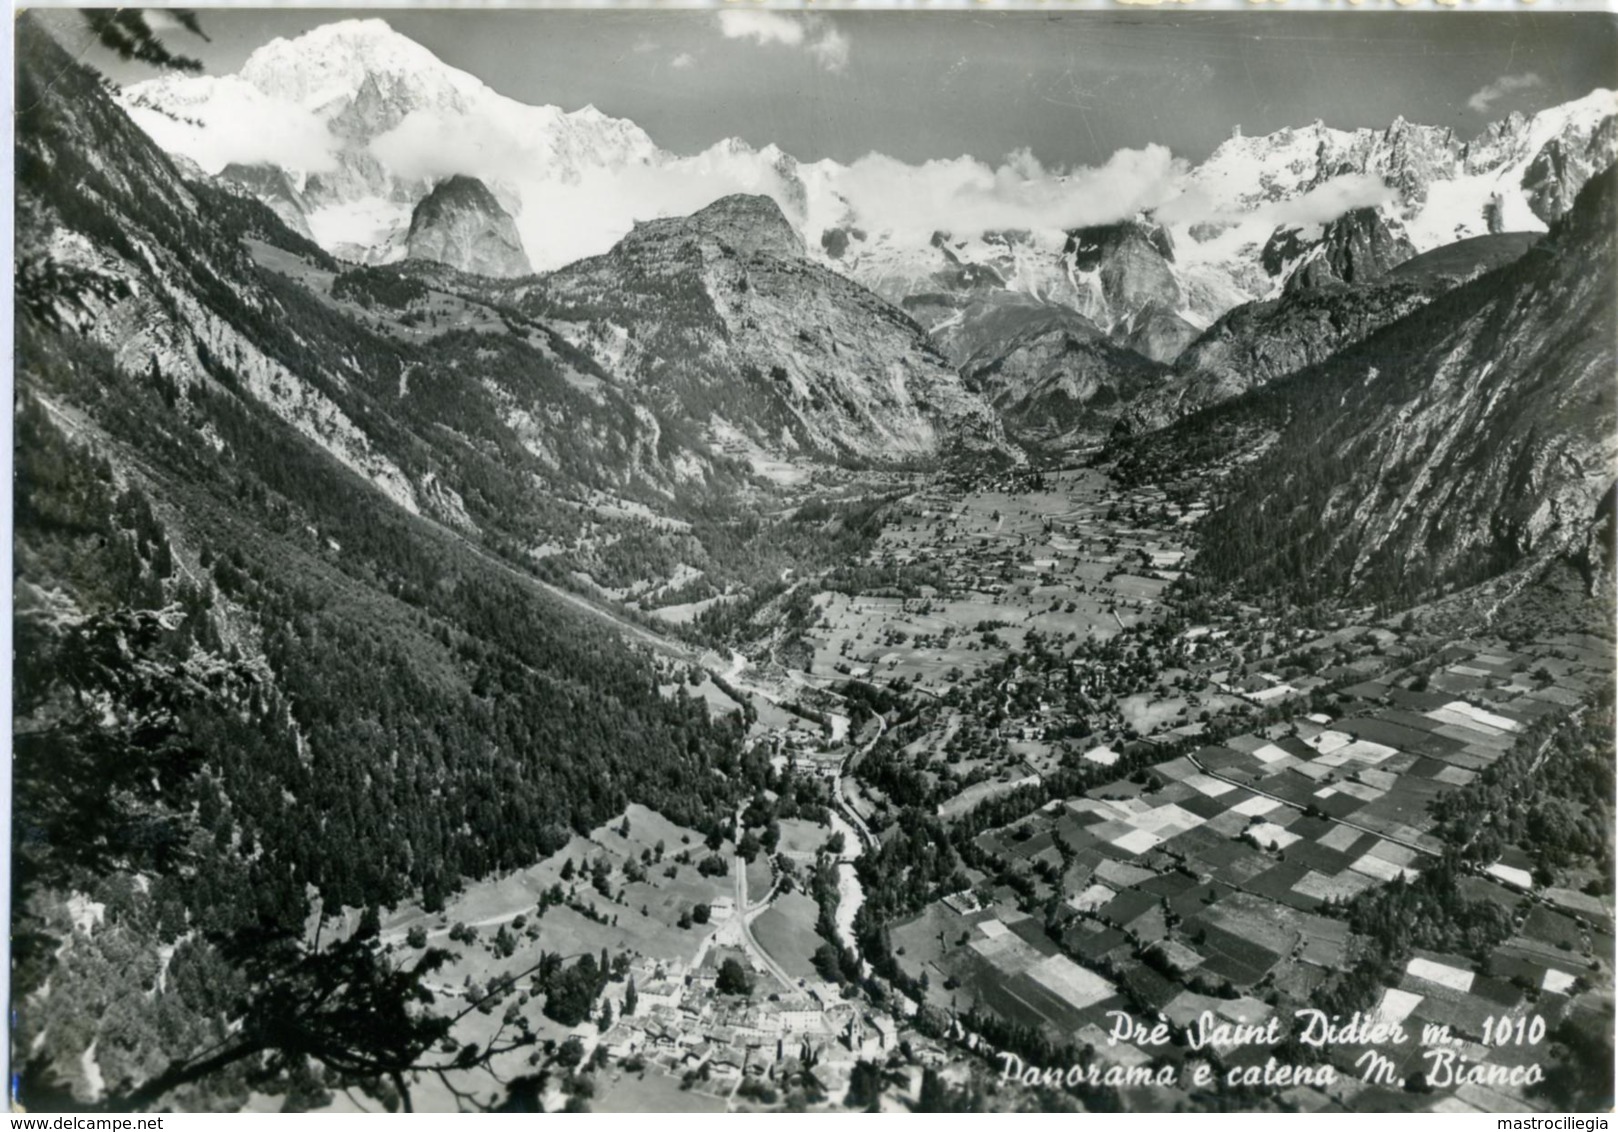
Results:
<point x="787" y="931"/>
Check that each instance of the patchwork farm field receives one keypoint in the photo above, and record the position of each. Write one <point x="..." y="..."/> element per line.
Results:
<point x="1204" y="885"/>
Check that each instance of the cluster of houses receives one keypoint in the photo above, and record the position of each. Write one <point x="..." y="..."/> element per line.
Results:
<point x="684" y="1025"/>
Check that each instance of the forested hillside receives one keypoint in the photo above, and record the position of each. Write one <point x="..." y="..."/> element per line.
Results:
<point x="1471" y="435"/>
<point x="256" y="677"/>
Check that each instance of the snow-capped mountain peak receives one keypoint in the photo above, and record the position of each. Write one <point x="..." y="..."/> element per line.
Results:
<point x="363" y="122"/>
<point x="328" y="67"/>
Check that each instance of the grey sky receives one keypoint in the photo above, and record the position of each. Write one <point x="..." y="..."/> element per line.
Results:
<point x="1072" y="87"/>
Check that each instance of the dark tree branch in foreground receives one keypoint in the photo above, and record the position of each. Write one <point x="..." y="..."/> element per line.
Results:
<point x="127" y="32"/>
<point x="344" y="1007"/>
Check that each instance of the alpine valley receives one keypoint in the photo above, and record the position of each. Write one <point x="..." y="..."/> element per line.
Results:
<point x="511" y="617"/>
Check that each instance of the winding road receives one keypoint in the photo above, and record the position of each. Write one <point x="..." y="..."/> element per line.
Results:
<point x="744" y="917"/>
<point x="840" y="799"/>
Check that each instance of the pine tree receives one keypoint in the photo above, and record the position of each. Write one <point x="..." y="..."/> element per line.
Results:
<point x="125" y="31"/>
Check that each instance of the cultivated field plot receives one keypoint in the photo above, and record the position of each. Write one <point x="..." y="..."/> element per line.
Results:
<point x="1202" y="888"/>
<point x="1011" y="967"/>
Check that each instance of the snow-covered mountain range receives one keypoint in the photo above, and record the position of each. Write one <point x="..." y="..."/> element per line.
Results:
<point x="346" y="128"/>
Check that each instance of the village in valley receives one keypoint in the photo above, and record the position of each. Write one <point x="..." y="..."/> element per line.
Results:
<point x="1159" y="808"/>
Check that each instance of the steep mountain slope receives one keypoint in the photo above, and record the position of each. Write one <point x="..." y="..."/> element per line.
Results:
<point x="1060" y="387"/>
<point x="720" y="319"/>
<point x="271" y="185"/>
<point x="1260" y="342"/>
<point x="1475" y="434"/>
<point x="1443" y="187"/>
<point x="1119" y="277"/>
<point x="266" y="647"/>
<point x="461" y="225"/>
<point x="1156" y="333"/>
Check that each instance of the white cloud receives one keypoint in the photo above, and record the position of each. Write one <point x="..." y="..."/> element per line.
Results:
<point x="830" y="49"/>
<point x="760" y="26"/>
<point x="564" y="221"/>
<point x="220" y="121"/>
<point x="1320" y="205"/>
<point x="814" y="34"/>
<point x="1504" y="85"/>
<point x="584" y="212"/>
<point x="965" y="196"/>
<point x="575" y="194"/>
<point x="565" y="210"/>
<point x="1331" y="199"/>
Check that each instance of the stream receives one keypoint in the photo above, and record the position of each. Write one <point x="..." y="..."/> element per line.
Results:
<point x="849" y="893"/>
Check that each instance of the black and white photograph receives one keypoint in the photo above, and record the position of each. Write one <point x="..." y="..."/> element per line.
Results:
<point x="823" y="558"/>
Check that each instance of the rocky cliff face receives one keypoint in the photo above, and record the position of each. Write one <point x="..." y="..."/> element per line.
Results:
<point x="1156" y="333"/>
<point x="1553" y="178"/>
<point x="113" y="242"/>
<point x="210" y="293"/>
<point x="718" y="317"/>
<point x="1056" y="378"/>
<point x="744" y="226"/>
<point x="461" y="224"/>
<point x="1258" y="343"/>
<point x="1358" y="247"/>
<point x="370" y="121"/>
<point x="1132" y="261"/>
<point x="1060" y="360"/>
<point x="1177" y="277"/>
<point x="1119" y="277"/>
<point x="271" y="185"/>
